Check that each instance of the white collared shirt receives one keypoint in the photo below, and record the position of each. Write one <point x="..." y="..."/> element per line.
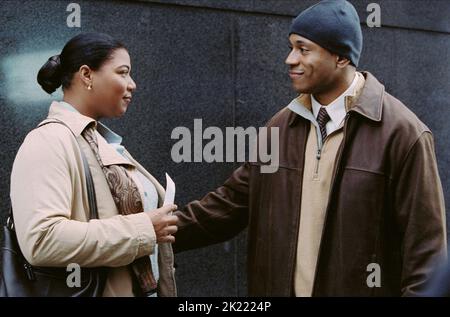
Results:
<point x="336" y="109"/>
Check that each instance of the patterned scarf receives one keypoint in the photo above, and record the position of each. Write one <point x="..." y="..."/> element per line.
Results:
<point x="128" y="201"/>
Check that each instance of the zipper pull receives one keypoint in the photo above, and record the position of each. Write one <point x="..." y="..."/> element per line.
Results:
<point x="316" y="171"/>
<point x="29" y="270"/>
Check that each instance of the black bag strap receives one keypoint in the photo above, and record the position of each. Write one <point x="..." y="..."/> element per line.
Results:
<point x="92" y="198"/>
<point x="10" y="220"/>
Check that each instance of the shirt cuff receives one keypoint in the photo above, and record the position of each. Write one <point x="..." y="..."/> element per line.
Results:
<point x="146" y="236"/>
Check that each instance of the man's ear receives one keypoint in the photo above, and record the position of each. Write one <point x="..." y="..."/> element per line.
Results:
<point x="342" y="62"/>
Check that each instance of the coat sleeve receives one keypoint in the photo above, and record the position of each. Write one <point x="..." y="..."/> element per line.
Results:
<point x="41" y="196"/>
<point x="218" y="216"/>
<point x="420" y="213"/>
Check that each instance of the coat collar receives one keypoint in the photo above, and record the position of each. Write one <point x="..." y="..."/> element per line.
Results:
<point x="368" y="103"/>
<point x="73" y="119"/>
<point x="107" y="140"/>
<point x="108" y="153"/>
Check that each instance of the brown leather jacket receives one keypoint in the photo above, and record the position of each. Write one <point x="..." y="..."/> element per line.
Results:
<point x="385" y="206"/>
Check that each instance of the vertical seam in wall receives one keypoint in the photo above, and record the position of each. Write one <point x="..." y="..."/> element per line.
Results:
<point x="233" y="79"/>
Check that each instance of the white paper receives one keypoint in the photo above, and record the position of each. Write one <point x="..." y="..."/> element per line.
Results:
<point x="169" y="198"/>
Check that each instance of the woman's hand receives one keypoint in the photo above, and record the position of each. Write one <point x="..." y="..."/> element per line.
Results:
<point x="164" y="222"/>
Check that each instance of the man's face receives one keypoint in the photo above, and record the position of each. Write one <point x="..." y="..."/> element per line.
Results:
<point x="312" y="68"/>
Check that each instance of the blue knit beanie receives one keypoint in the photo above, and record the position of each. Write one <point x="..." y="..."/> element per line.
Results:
<point x="334" y="25"/>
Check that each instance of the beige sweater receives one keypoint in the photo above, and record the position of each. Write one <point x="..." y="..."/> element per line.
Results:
<point x="317" y="176"/>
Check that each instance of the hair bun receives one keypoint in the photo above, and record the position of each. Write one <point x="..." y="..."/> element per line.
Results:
<point x="56" y="60"/>
<point x="50" y="75"/>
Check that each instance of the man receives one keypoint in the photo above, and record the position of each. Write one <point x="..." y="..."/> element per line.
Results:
<point x="356" y="207"/>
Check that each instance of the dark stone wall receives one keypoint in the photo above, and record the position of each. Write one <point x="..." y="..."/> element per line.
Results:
<point x="221" y="61"/>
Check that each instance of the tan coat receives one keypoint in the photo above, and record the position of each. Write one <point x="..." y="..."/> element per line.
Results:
<point x="51" y="211"/>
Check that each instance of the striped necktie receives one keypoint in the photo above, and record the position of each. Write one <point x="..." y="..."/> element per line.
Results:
<point x="322" y="119"/>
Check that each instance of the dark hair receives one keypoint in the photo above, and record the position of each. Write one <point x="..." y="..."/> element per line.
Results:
<point x="91" y="49"/>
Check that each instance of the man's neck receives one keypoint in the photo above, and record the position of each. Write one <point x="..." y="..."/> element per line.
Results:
<point x="325" y="98"/>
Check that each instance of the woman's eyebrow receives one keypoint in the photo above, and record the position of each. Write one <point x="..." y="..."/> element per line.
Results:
<point x="124" y="66"/>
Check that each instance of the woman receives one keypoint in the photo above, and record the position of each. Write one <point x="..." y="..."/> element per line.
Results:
<point x="132" y="236"/>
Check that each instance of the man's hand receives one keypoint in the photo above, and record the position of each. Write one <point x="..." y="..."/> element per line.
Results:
<point x="164" y="222"/>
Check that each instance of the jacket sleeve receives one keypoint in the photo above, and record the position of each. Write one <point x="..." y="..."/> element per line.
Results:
<point x="218" y="216"/>
<point x="41" y="196"/>
<point x="420" y="213"/>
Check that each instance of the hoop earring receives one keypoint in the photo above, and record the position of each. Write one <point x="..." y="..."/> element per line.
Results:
<point x="89" y="87"/>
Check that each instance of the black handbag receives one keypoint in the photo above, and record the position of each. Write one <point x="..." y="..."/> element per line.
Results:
<point x="19" y="279"/>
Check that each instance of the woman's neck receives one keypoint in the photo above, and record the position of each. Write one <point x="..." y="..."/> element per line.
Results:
<point x="80" y="105"/>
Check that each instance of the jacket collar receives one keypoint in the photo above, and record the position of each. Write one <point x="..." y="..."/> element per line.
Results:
<point x="108" y="153"/>
<point x="74" y="120"/>
<point x="107" y="140"/>
<point x="368" y="103"/>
